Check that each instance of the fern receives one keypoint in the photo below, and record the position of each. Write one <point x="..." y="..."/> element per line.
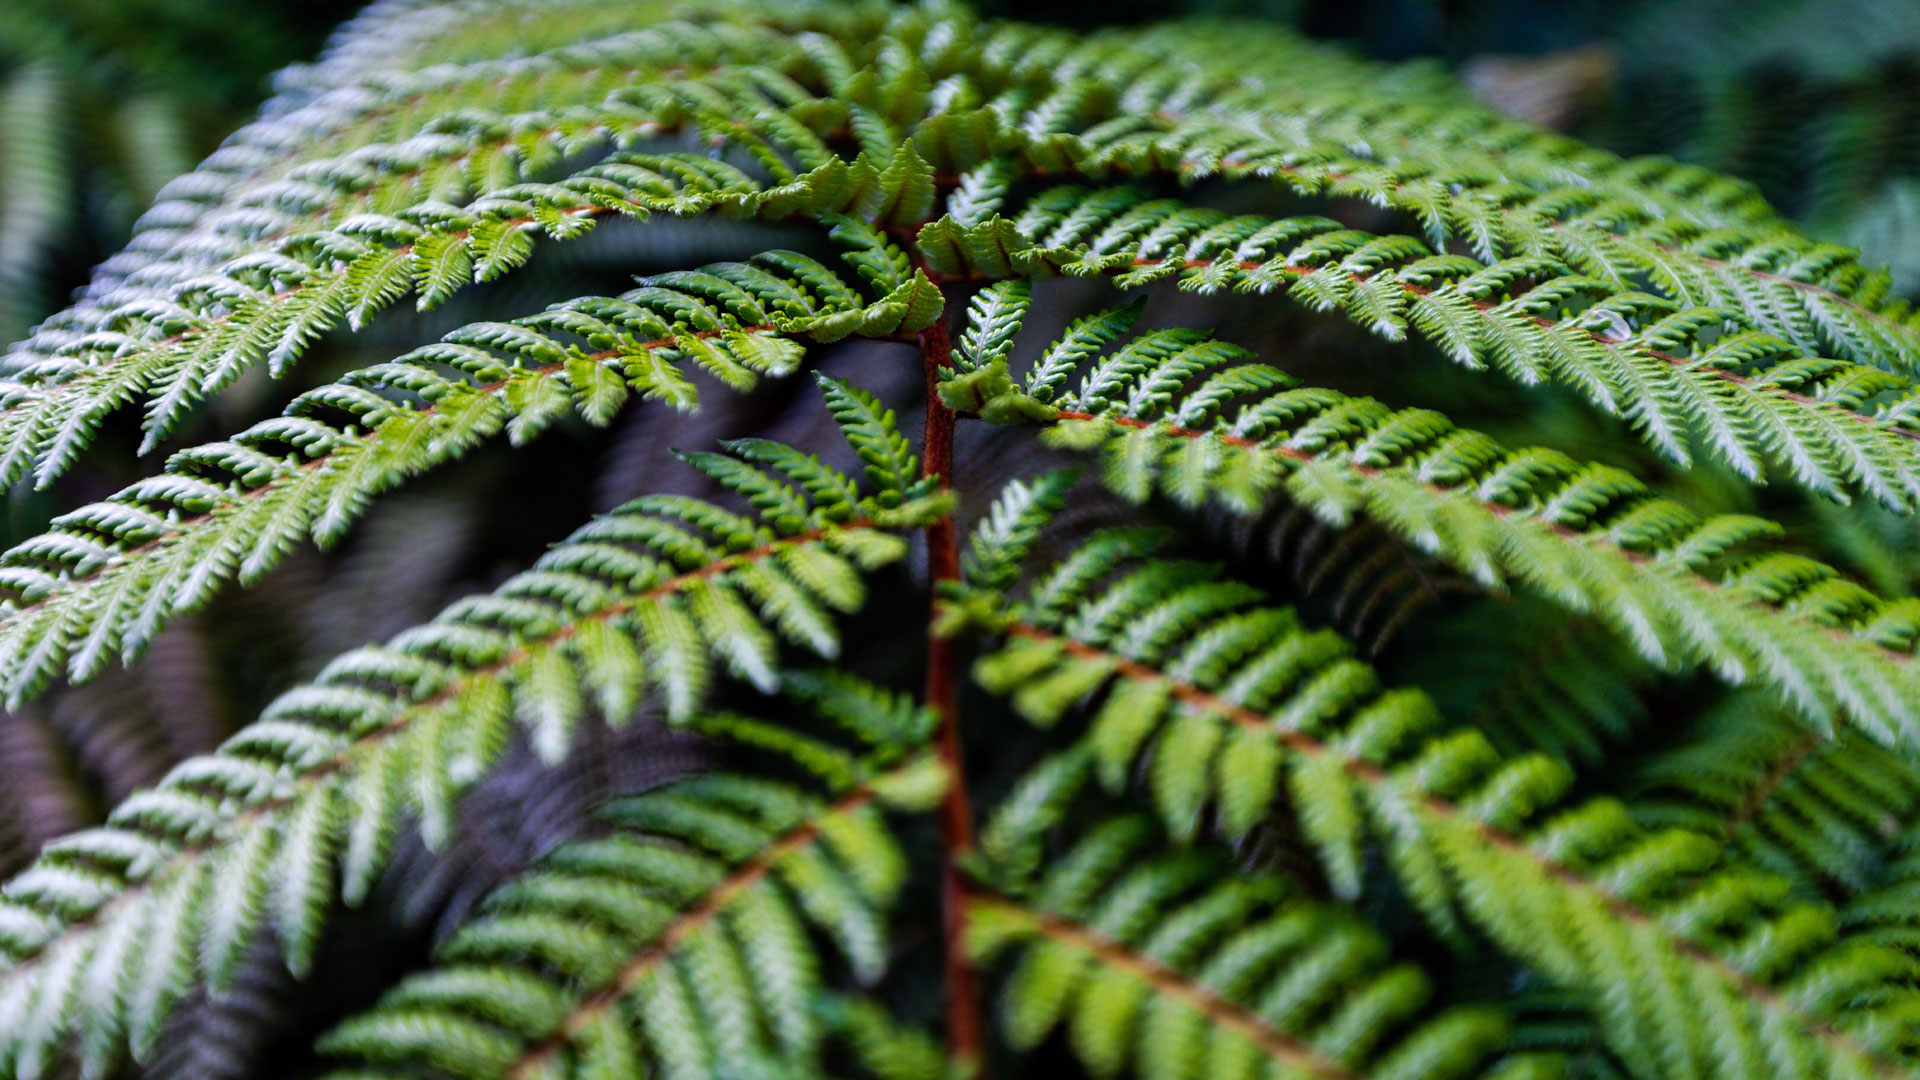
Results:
<point x="1826" y="814"/>
<point x="1151" y="962"/>
<point x="1174" y="411"/>
<point x="681" y="940"/>
<point x="1307" y="732"/>
<point x="305" y="802"/>
<point x="108" y="576"/>
<point x="1234" y="702"/>
<point x="1667" y="366"/>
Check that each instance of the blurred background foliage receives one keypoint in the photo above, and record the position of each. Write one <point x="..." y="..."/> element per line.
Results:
<point x="102" y="101"/>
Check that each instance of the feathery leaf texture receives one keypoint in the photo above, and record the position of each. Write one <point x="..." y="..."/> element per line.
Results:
<point x="303" y="804"/>
<point x="1826" y="814"/>
<point x="1530" y="844"/>
<point x="1519" y="670"/>
<point x="1231" y="702"/>
<point x="1155" y="960"/>
<point x="1179" y="412"/>
<point x="1680" y="370"/>
<point x="272" y="303"/>
<point x="1090" y="124"/>
<point x="677" y="943"/>
<point x="109" y="576"/>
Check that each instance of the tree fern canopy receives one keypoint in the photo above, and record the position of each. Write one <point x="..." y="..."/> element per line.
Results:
<point x="981" y="550"/>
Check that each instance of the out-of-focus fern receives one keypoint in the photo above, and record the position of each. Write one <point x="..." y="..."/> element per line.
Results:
<point x="1827" y="815"/>
<point x="1232" y="702"/>
<point x="102" y="104"/>
<point x="1350" y="743"/>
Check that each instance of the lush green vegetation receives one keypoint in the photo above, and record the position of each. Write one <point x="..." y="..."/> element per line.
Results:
<point x="1170" y="551"/>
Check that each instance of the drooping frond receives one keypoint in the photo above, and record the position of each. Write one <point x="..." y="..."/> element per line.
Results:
<point x="1670" y="368"/>
<point x="108" y="576"/>
<point x="266" y="307"/>
<point x="1535" y="678"/>
<point x="290" y="248"/>
<point x="1281" y="86"/>
<point x="1822" y="813"/>
<point x="1180" y="412"/>
<point x="678" y="946"/>
<point x="1269" y="92"/>
<point x="777" y="93"/>
<point x="332" y="146"/>
<point x="102" y="935"/>
<point x="1885" y="914"/>
<point x="1229" y="701"/>
<point x="1324" y="124"/>
<point x="1817" y="297"/>
<point x="1271" y="108"/>
<point x="1157" y="960"/>
<point x="1371" y="583"/>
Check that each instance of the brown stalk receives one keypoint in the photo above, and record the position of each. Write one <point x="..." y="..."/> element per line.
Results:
<point x="966" y="1031"/>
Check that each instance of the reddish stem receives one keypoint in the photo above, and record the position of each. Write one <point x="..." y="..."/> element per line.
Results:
<point x="965" y="1029"/>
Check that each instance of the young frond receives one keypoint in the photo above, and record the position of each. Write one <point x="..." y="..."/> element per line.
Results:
<point x="303" y="804"/>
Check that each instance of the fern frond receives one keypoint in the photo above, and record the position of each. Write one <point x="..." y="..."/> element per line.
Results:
<point x="407" y="38"/>
<point x="1884" y="914"/>
<point x="1178" y="412"/>
<point x="669" y="948"/>
<point x="321" y="155"/>
<point x="1596" y="876"/>
<point x="1363" y="110"/>
<point x="1204" y="137"/>
<point x="1816" y="297"/>
<point x="1230" y="701"/>
<point x="267" y="307"/>
<point x="1534" y="678"/>
<point x="1548" y="1020"/>
<point x="1821" y="813"/>
<point x="187" y="326"/>
<point x="1326" y="125"/>
<point x="108" y="576"/>
<point x="1835" y="426"/>
<point x="1371" y="584"/>
<point x="38" y="209"/>
<point x="1155" y="960"/>
<point x="731" y="95"/>
<point x="303" y="804"/>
